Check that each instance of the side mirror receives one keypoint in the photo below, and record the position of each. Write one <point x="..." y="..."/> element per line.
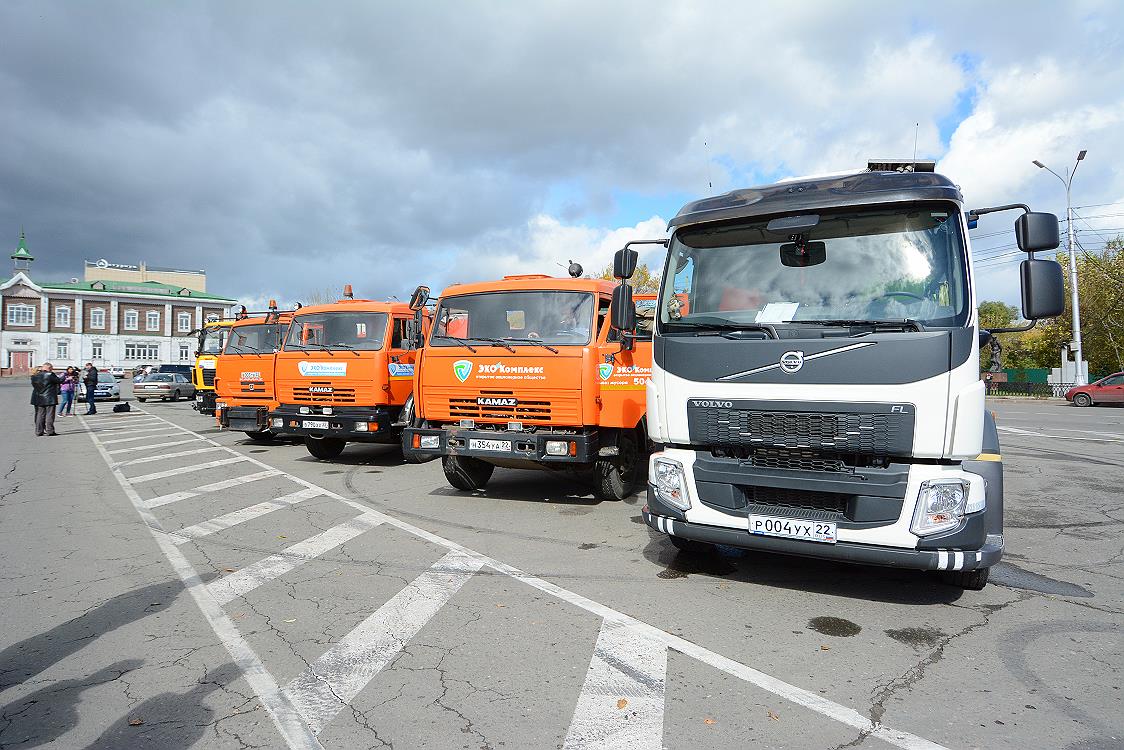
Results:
<point x="1037" y="231"/>
<point x="624" y="263"/>
<point x="1043" y="288"/>
<point x="419" y="298"/>
<point x="810" y="254"/>
<point x="622" y="314"/>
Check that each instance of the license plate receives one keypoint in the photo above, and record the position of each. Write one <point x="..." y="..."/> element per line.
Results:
<point x="315" y="424"/>
<point x="490" y="445"/>
<point x="199" y="399"/>
<point x="793" y="528"/>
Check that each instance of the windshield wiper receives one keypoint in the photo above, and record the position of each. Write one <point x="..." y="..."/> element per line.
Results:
<point x="536" y="342"/>
<point x="497" y="342"/>
<point x="462" y="342"/>
<point x="350" y="348"/>
<point x="903" y="324"/>
<point x="723" y="329"/>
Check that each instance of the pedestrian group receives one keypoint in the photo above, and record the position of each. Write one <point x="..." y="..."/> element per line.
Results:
<point x="50" y="391"/>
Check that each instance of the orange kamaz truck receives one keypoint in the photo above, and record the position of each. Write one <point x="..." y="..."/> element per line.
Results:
<point x="245" y="383"/>
<point x="345" y="373"/>
<point x="534" y="372"/>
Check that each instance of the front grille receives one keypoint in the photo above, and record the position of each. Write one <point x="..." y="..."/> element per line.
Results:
<point x="450" y="405"/>
<point x="793" y="460"/>
<point x="779" y="497"/>
<point x="524" y="410"/>
<point x="865" y="432"/>
<point x="304" y="395"/>
<point x="208" y="377"/>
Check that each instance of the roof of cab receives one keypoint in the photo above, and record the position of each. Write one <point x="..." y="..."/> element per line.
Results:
<point x="357" y="305"/>
<point x="531" y="282"/>
<point x="812" y="194"/>
<point x="255" y="320"/>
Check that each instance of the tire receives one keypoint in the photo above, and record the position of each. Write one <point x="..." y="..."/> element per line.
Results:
<point x="971" y="580"/>
<point x="615" y="478"/>
<point x="1082" y="399"/>
<point x="175" y="395"/>
<point x="467" y="473"/>
<point x="141" y="400"/>
<point x="691" y="546"/>
<point x="324" y="449"/>
<point x="260" y="436"/>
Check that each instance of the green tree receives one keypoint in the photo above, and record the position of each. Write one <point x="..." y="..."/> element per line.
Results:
<point x="643" y="281"/>
<point x="1100" y="278"/>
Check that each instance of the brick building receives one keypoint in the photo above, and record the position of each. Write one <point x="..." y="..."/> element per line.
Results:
<point x="107" y="322"/>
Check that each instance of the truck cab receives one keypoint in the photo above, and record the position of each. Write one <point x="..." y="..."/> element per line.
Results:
<point x="211" y="340"/>
<point x="245" y="383"/>
<point x="815" y="386"/>
<point x="345" y="373"/>
<point x="529" y="372"/>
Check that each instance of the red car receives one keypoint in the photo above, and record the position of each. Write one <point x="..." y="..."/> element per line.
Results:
<point x="1108" y="390"/>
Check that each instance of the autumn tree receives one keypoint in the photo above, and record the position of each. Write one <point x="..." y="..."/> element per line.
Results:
<point x="643" y="280"/>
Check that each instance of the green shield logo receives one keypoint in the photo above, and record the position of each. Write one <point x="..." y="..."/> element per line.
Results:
<point x="605" y="371"/>
<point x="462" y="368"/>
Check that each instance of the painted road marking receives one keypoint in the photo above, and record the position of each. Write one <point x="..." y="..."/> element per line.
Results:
<point x="179" y="432"/>
<point x="116" y="428"/>
<point x="163" y="456"/>
<point x="249" y="578"/>
<point x="236" y="517"/>
<point x="186" y="469"/>
<point x="298" y="735"/>
<point x="225" y="484"/>
<point x="1031" y="433"/>
<point x="625" y="665"/>
<point x="151" y="447"/>
<point x="333" y="680"/>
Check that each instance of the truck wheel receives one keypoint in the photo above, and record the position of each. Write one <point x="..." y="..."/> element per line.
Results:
<point x="260" y="436"/>
<point x="467" y="473"/>
<point x="615" y="477"/>
<point x="690" y="546"/>
<point x="324" y="449"/>
<point x="1082" y="399"/>
<point x="972" y="580"/>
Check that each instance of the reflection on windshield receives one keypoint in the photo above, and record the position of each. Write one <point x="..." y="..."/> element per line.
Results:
<point x="363" y="331"/>
<point x="858" y="265"/>
<point x="213" y="340"/>
<point x="538" y="317"/>
<point x="254" y="339"/>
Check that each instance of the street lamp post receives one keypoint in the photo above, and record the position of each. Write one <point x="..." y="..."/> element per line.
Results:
<point x="1074" y="303"/>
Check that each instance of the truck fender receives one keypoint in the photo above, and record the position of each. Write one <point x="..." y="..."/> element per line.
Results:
<point x="989" y="465"/>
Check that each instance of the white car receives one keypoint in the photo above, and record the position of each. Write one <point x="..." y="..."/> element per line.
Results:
<point x="117" y="371"/>
<point x="108" y="389"/>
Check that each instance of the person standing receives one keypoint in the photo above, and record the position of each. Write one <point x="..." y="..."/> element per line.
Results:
<point x="44" y="397"/>
<point x="67" y="391"/>
<point x="90" y="380"/>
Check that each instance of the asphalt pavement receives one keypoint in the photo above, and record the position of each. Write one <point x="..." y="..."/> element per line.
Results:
<point x="166" y="584"/>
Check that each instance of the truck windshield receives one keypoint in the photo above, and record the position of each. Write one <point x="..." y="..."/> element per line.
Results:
<point x="545" y="317"/>
<point x="212" y="340"/>
<point x="855" y="266"/>
<point x="364" y="331"/>
<point x="263" y="338"/>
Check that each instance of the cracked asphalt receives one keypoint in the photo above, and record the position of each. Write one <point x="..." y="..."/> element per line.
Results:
<point x="102" y="646"/>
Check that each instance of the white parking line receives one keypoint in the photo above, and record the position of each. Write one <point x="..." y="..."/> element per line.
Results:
<point x="177" y="433"/>
<point x="298" y="735"/>
<point x="242" y="515"/>
<point x="164" y="456"/>
<point x="333" y="680"/>
<point x="225" y="484"/>
<point x="1032" y="433"/>
<point x="152" y="446"/>
<point x="625" y="665"/>
<point x="146" y="422"/>
<point x="187" y="469"/>
<point x="247" y="579"/>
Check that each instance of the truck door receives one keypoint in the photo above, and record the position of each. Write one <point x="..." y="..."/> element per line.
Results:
<point x="400" y="361"/>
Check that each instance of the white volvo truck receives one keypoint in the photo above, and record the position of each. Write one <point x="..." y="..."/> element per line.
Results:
<point x="815" y="385"/>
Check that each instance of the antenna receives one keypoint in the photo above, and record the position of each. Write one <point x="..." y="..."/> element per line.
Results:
<point x="916" y="127"/>
<point x="709" y="181"/>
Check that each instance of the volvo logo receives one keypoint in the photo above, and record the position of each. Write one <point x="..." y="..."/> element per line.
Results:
<point x="487" y="401"/>
<point x="792" y="361"/>
<point x="712" y="404"/>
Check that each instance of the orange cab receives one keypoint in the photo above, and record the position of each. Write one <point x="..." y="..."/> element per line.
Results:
<point x="345" y="373"/>
<point x="245" y="390"/>
<point x="529" y="372"/>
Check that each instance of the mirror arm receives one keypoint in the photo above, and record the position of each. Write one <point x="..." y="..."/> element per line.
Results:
<point x="1017" y="329"/>
<point x="994" y="209"/>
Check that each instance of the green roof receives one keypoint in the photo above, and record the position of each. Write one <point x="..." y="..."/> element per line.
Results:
<point x="154" y="288"/>
<point x="21" y="251"/>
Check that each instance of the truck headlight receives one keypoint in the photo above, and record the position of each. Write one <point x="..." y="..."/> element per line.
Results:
<point x="941" y="506"/>
<point x="670" y="483"/>
<point x="429" y="441"/>
<point x="556" y="447"/>
<point x="360" y="426"/>
<point x="278" y="421"/>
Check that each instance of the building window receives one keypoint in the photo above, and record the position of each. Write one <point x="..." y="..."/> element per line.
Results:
<point x="152" y="321"/>
<point x="185" y="352"/>
<point x="132" y="318"/>
<point x="62" y="350"/>
<point x="183" y="321"/>
<point x="96" y="349"/>
<point x="21" y="315"/>
<point x="97" y="318"/>
<point x="62" y="317"/>
<point x="146" y="352"/>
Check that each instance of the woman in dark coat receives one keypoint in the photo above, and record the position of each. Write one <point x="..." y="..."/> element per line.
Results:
<point x="45" y="397"/>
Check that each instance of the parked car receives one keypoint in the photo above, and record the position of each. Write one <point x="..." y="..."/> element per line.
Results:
<point x="181" y="369"/>
<point x="164" y="386"/>
<point x="117" y="371"/>
<point x="1108" y="390"/>
<point x="107" y="389"/>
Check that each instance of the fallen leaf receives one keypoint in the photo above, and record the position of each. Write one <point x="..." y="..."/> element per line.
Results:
<point x="282" y="536"/>
<point x="709" y="721"/>
<point x="502" y="606"/>
<point x="292" y="620"/>
<point x="135" y="722"/>
<point x="825" y="648"/>
<point x="773" y="716"/>
<point x="622" y="703"/>
<point x="229" y="570"/>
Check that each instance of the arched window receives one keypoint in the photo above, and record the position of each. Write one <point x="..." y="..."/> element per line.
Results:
<point x="21" y="315"/>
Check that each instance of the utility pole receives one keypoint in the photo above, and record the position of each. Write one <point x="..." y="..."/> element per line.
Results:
<point x="1079" y="376"/>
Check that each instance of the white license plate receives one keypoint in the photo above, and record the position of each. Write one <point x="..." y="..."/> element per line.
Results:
<point x="793" y="528"/>
<point x="490" y="445"/>
<point x="315" y="424"/>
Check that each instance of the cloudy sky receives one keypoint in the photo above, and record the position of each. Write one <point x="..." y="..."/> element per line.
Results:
<point x="292" y="147"/>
